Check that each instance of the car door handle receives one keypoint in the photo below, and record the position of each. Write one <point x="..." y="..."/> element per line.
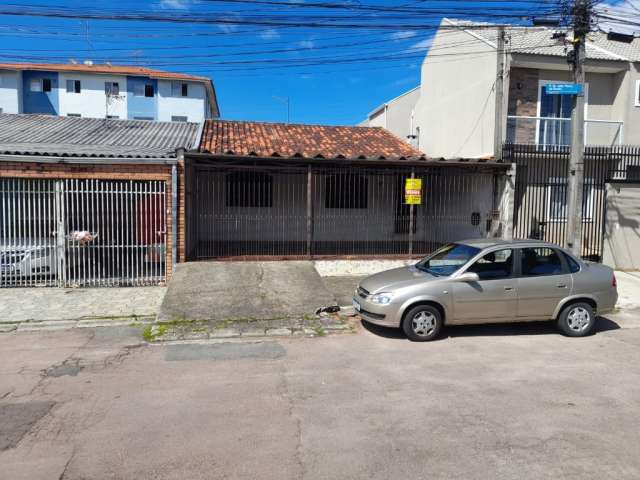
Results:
<point x="562" y="285"/>
<point x="508" y="289"/>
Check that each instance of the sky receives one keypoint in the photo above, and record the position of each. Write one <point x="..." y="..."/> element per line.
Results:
<point x="334" y="61"/>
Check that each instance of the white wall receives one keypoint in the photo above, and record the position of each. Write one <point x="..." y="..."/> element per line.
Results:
<point x="193" y="107"/>
<point x="91" y="101"/>
<point x="455" y="111"/>
<point x="10" y="91"/>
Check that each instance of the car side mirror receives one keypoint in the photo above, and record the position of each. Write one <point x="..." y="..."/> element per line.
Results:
<point x="468" y="277"/>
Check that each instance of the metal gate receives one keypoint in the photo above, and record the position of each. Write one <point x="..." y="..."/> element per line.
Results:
<point x="541" y="194"/>
<point x="322" y="211"/>
<point x="87" y="232"/>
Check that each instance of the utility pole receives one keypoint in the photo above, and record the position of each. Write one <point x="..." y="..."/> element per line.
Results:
<point x="575" y="183"/>
<point x="498" y="134"/>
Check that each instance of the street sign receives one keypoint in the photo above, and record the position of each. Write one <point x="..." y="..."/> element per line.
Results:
<point x="563" y="89"/>
<point x="413" y="191"/>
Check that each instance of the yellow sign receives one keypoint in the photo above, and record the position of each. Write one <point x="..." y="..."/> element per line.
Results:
<point x="413" y="191"/>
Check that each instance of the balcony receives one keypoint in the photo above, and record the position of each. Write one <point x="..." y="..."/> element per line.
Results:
<point x="551" y="131"/>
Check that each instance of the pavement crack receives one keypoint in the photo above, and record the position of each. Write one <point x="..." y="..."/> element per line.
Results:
<point x="63" y="474"/>
<point x="286" y="393"/>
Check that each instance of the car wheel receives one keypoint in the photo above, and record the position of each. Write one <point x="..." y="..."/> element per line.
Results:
<point x="577" y="320"/>
<point x="422" y="323"/>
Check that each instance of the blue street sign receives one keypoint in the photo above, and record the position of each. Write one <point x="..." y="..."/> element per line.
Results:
<point x="563" y="89"/>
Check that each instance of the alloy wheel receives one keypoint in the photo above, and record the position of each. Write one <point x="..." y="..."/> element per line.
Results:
<point x="578" y="319"/>
<point x="423" y="323"/>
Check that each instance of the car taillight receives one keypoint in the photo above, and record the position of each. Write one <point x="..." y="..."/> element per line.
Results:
<point x="614" y="282"/>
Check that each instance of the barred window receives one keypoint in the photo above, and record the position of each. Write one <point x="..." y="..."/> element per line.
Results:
<point x="249" y="189"/>
<point x="346" y="190"/>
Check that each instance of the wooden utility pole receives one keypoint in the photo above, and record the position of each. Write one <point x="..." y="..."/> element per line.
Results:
<point x="498" y="134"/>
<point x="575" y="183"/>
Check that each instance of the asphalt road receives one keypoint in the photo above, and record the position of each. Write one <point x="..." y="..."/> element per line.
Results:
<point x="483" y="403"/>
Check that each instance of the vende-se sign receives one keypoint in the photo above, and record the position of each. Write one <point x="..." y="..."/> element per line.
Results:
<point x="413" y="191"/>
<point x="563" y="88"/>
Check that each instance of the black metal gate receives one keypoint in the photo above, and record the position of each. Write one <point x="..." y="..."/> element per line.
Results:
<point x="316" y="211"/>
<point x="541" y="194"/>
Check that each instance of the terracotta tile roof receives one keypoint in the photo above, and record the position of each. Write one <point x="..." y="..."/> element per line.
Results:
<point x="234" y="138"/>
<point x="103" y="68"/>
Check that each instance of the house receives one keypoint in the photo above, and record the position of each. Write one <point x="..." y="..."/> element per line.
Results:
<point x="89" y="202"/>
<point x="455" y="111"/>
<point x="397" y="116"/>
<point x="106" y="91"/>
<point x="99" y="202"/>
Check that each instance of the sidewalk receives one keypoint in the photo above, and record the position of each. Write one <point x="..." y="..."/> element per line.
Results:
<point x="65" y="308"/>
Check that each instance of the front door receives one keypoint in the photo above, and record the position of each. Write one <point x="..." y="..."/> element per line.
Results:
<point x="543" y="283"/>
<point x="493" y="298"/>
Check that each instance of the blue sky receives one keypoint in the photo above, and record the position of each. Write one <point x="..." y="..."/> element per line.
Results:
<point x="331" y="75"/>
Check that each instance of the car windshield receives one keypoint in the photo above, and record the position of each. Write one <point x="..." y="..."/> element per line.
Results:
<point x="447" y="260"/>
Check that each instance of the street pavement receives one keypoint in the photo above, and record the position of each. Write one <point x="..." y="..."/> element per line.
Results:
<point x="484" y="402"/>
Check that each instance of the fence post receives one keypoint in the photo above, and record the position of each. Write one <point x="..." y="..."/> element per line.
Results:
<point x="309" y="211"/>
<point x="174" y="218"/>
<point x="411" y="217"/>
<point x="507" y="203"/>
<point x="60" y="234"/>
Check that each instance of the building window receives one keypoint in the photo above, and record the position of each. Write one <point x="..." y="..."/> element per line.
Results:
<point x="179" y="89"/>
<point x="73" y="86"/>
<point x="148" y="90"/>
<point x="557" y="200"/>
<point x="249" y="189"/>
<point x="113" y="117"/>
<point x="178" y="118"/>
<point x="111" y="89"/>
<point x="35" y="85"/>
<point x="144" y="118"/>
<point x="73" y="115"/>
<point x="46" y="84"/>
<point x="346" y="190"/>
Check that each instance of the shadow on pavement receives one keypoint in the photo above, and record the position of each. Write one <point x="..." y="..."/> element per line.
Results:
<point x="491" y="330"/>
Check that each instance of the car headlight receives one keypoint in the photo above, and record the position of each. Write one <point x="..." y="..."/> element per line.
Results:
<point x="382" y="298"/>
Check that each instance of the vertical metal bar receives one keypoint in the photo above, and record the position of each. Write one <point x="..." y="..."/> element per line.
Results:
<point x="309" y="210"/>
<point x="411" y="219"/>
<point x="60" y="236"/>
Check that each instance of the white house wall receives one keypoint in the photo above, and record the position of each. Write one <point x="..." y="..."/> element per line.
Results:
<point x="91" y="102"/>
<point x="192" y="107"/>
<point x="10" y="91"/>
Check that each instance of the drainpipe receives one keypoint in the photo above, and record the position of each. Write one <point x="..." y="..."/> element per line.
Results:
<point x="174" y="217"/>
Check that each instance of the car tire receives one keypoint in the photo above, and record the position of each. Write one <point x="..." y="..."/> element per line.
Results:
<point x="577" y="320"/>
<point x="422" y="323"/>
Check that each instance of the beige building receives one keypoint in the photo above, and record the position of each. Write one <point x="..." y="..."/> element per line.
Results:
<point x="453" y="111"/>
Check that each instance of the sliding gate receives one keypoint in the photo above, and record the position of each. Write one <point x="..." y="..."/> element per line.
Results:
<point x="87" y="233"/>
<point x="249" y="212"/>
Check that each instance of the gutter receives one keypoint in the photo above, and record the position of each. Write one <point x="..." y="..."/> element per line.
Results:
<point x="87" y="160"/>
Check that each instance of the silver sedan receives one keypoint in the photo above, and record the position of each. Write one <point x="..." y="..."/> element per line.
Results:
<point x="489" y="281"/>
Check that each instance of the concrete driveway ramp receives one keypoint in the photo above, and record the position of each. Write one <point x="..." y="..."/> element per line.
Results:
<point x="243" y="290"/>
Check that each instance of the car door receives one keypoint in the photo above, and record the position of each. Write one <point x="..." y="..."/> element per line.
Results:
<point x="493" y="298"/>
<point x="543" y="281"/>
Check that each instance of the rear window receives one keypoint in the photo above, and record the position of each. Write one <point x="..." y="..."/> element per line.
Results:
<point x="540" y="261"/>
<point x="574" y="266"/>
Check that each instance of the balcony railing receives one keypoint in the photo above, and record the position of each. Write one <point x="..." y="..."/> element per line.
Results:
<point x="550" y="131"/>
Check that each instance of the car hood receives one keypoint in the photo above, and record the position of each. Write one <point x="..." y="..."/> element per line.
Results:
<point x="396" y="278"/>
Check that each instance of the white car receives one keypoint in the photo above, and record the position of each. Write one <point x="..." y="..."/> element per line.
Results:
<point x="27" y="257"/>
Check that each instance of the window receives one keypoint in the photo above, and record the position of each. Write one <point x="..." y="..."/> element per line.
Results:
<point x="144" y="118"/>
<point x="178" y="118"/>
<point x="46" y="84"/>
<point x="73" y="86"/>
<point x="35" y="85"/>
<point x="179" y="89"/>
<point x="557" y="200"/>
<point x="148" y="90"/>
<point x="574" y="266"/>
<point x="346" y="190"/>
<point x="494" y="265"/>
<point x="111" y="88"/>
<point x="447" y="260"/>
<point x="540" y="261"/>
<point x="113" y="117"/>
<point x="249" y="189"/>
<point x="73" y="115"/>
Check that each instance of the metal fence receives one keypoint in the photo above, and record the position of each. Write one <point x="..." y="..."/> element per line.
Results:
<point x="82" y="232"/>
<point x="313" y="211"/>
<point x="541" y="194"/>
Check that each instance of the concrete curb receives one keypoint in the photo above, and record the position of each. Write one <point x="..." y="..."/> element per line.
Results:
<point x="56" y="325"/>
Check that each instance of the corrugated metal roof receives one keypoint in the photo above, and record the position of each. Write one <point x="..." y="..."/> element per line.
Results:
<point x="540" y="41"/>
<point x="93" y="137"/>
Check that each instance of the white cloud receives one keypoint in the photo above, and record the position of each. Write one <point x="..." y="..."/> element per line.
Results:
<point x="403" y="34"/>
<point x="176" y="4"/>
<point x="306" y="44"/>
<point x="421" y="46"/>
<point x="269" y="34"/>
<point x="228" y="27"/>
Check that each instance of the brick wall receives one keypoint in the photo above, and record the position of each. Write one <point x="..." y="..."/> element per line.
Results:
<point x="113" y="172"/>
<point x="523" y="101"/>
